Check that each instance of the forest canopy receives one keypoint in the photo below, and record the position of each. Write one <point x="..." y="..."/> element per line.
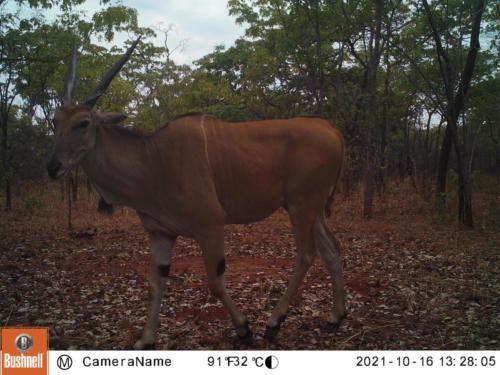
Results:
<point x="413" y="85"/>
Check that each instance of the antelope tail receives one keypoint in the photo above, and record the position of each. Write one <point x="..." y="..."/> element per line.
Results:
<point x="329" y="201"/>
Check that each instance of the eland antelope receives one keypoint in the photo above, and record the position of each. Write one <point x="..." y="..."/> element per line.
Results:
<point x="196" y="174"/>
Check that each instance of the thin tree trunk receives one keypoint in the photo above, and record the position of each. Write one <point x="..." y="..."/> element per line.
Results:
<point x="369" y="187"/>
<point x="464" y="190"/>
<point x="455" y="104"/>
<point x="382" y="164"/>
<point x="62" y="188"/>
<point x="74" y="184"/>
<point x="8" y="196"/>
<point x="473" y="149"/>
<point x="427" y="151"/>
<point x="370" y="110"/>
<point x="435" y="147"/>
<point x="411" y="170"/>
<point x="89" y="189"/>
<point x="8" y="199"/>
<point x="497" y="164"/>
<point x="444" y="157"/>
<point x="68" y="197"/>
<point x="497" y="153"/>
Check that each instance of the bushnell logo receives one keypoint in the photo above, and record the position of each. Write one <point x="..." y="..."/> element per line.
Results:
<point x="24" y="342"/>
<point x="24" y="350"/>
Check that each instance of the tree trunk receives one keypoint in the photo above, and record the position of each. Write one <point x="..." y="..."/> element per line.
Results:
<point x="384" y="121"/>
<point x="464" y="191"/>
<point x="68" y="195"/>
<point x="74" y="184"/>
<point x="472" y="150"/>
<point x="5" y="168"/>
<point x="455" y="104"/>
<point x="369" y="188"/>
<point x="444" y="157"/>
<point x="497" y="164"/>
<point x="62" y="187"/>
<point x="370" y="110"/>
<point x="427" y="149"/>
<point x="497" y="153"/>
<point x="465" y="217"/>
<point x="89" y="189"/>
<point x="8" y="196"/>
<point x="435" y="148"/>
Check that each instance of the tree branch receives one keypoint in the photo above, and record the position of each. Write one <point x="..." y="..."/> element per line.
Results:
<point x="471" y="59"/>
<point x="441" y="54"/>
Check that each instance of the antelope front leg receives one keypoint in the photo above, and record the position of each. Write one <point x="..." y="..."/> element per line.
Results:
<point x="161" y="252"/>
<point x="212" y="246"/>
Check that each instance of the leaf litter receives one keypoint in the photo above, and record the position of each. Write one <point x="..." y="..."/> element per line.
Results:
<point x="412" y="282"/>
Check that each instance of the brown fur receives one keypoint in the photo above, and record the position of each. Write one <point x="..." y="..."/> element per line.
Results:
<point x="197" y="174"/>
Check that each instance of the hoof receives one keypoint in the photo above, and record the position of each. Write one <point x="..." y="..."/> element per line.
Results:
<point x="271" y="333"/>
<point x="247" y="338"/>
<point x="329" y="327"/>
<point x="336" y="319"/>
<point x="143" y="345"/>
<point x="333" y="323"/>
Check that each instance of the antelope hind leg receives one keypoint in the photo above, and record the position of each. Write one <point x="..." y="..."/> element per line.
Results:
<point x="306" y="252"/>
<point x="331" y="252"/>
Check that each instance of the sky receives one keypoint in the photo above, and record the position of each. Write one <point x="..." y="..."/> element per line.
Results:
<point x="199" y="24"/>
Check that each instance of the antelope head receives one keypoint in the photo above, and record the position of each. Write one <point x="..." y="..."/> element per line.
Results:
<point x="76" y="124"/>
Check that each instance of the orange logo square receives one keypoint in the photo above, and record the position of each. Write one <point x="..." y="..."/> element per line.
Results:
<point x="24" y="351"/>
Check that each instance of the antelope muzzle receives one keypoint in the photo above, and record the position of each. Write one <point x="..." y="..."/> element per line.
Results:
<point x="54" y="167"/>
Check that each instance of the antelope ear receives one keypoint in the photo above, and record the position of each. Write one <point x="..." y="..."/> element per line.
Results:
<point x="111" y="118"/>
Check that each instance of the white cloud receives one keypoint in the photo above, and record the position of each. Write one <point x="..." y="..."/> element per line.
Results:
<point x="201" y="24"/>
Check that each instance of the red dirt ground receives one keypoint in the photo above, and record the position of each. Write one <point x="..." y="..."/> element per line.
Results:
<point x="413" y="281"/>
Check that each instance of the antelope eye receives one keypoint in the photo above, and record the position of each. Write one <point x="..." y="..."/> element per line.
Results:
<point x="82" y="124"/>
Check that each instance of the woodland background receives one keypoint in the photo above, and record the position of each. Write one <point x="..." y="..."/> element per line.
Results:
<point x="414" y="86"/>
